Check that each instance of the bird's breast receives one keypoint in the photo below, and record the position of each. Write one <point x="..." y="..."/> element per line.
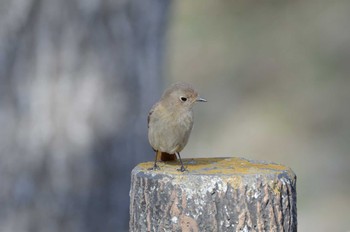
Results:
<point x="185" y="120"/>
<point x="169" y="132"/>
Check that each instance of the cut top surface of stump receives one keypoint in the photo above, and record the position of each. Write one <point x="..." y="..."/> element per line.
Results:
<point x="216" y="166"/>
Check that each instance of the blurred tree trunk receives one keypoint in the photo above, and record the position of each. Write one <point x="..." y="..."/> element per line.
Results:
<point x="77" y="79"/>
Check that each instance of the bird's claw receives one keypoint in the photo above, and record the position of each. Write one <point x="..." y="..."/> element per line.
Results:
<point x="154" y="168"/>
<point x="181" y="169"/>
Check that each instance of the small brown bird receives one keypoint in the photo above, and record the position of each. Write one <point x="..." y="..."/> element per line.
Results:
<point x="170" y="120"/>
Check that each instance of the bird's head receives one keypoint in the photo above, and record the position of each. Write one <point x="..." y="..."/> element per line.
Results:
<point x="181" y="95"/>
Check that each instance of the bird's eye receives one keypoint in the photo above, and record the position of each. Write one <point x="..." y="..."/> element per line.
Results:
<point x="183" y="99"/>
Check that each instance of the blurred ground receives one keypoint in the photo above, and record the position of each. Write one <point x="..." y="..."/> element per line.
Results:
<point x="276" y="77"/>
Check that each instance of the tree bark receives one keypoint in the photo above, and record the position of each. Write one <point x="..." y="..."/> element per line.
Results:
<point x="77" y="79"/>
<point x="219" y="194"/>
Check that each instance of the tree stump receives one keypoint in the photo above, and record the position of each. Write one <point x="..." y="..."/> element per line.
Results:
<point x="215" y="194"/>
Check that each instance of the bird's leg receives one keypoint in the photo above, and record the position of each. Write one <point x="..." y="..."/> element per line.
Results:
<point x="155" y="166"/>
<point x="182" y="168"/>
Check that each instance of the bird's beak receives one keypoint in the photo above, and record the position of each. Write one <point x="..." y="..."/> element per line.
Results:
<point x="199" y="99"/>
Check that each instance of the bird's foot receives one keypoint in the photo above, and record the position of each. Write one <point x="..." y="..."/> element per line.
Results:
<point x="181" y="169"/>
<point x="154" y="168"/>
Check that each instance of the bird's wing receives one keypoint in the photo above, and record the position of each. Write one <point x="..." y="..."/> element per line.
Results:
<point x="150" y="113"/>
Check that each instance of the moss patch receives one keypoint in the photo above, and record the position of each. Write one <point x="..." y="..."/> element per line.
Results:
<point x="215" y="166"/>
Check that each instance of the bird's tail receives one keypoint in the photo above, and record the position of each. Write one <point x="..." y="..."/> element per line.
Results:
<point x="163" y="156"/>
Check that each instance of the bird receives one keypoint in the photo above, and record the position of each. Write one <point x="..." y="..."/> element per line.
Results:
<point x="170" y="121"/>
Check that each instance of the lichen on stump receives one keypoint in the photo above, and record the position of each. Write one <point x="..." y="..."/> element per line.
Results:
<point x="215" y="194"/>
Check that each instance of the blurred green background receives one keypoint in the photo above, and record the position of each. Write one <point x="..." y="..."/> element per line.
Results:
<point x="276" y="77"/>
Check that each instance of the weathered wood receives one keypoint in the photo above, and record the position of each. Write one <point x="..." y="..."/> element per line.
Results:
<point x="216" y="194"/>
